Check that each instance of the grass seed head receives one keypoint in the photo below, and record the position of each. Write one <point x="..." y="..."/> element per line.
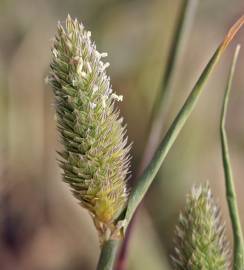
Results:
<point x="200" y="236"/>
<point x="95" y="157"/>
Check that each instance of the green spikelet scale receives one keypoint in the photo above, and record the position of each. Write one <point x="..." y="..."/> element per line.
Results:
<point x="95" y="157"/>
<point x="200" y="237"/>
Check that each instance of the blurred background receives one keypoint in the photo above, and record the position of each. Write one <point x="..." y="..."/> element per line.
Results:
<point x="41" y="225"/>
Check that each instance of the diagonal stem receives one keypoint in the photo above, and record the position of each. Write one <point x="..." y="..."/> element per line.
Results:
<point x="144" y="182"/>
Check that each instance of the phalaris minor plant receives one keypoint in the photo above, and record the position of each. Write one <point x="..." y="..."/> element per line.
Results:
<point x="200" y="241"/>
<point x="95" y="158"/>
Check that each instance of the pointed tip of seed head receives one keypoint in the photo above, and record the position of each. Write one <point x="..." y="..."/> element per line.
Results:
<point x="69" y="17"/>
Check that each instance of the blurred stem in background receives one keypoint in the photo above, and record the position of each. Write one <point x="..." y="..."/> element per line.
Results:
<point x="229" y="182"/>
<point x="144" y="182"/>
<point x="162" y="100"/>
<point x="161" y="104"/>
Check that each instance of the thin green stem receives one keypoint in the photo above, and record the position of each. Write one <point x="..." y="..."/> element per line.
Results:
<point x="161" y="104"/>
<point x="229" y="182"/>
<point x="108" y="255"/>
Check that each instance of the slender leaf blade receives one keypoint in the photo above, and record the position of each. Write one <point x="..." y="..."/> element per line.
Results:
<point x="144" y="182"/>
<point x="229" y="182"/>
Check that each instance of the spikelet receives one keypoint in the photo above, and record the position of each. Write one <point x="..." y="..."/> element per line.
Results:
<point x="200" y="237"/>
<point x="95" y="157"/>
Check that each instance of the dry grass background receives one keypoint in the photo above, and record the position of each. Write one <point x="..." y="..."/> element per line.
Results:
<point x="41" y="225"/>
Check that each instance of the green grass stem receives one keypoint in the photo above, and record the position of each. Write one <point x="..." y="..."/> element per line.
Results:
<point x="229" y="182"/>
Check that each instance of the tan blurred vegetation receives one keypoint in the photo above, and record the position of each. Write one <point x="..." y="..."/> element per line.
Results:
<point x="41" y="225"/>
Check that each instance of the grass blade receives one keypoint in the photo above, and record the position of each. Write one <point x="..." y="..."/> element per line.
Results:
<point x="229" y="182"/>
<point x="144" y="182"/>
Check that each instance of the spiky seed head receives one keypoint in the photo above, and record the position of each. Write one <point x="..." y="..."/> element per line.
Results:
<point x="200" y="236"/>
<point x="95" y="157"/>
